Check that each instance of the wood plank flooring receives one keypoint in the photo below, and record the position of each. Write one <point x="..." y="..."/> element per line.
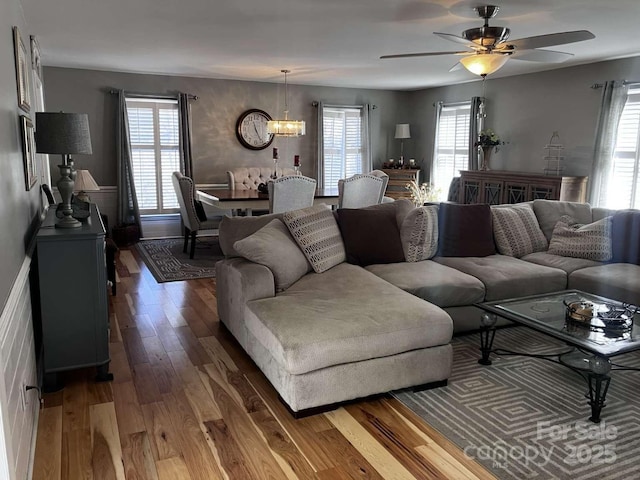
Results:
<point x="187" y="403"/>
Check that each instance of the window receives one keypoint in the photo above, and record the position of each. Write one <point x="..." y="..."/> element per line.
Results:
<point x="451" y="153"/>
<point x="345" y="144"/>
<point x="623" y="186"/>
<point x="155" y="152"/>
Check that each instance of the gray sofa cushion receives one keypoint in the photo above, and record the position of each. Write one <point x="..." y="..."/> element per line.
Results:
<point x="568" y="264"/>
<point x="433" y="282"/>
<point x="345" y="314"/>
<point x="549" y="212"/>
<point x="618" y="281"/>
<point x="508" y="277"/>
<point x="233" y="229"/>
<point x="273" y="247"/>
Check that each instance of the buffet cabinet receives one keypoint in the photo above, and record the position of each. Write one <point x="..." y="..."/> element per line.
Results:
<point x="72" y="280"/>
<point x="398" y="179"/>
<point x="497" y="187"/>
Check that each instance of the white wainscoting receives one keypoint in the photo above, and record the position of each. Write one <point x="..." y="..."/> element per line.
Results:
<point x="18" y="408"/>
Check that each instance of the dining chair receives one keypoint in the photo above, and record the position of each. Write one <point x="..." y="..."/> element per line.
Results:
<point x="193" y="225"/>
<point x="291" y="192"/>
<point x="362" y="190"/>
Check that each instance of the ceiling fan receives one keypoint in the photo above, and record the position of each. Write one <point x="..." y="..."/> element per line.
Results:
<point x="490" y="48"/>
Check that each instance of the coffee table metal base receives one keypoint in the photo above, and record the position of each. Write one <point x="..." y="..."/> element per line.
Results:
<point x="594" y="369"/>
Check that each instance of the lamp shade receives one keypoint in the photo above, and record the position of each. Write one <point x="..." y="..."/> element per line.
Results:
<point x="85" y="182"/>
<point x="63" y="133"/>
<point x="484" y="63"/>
<point x="402" y="130"/>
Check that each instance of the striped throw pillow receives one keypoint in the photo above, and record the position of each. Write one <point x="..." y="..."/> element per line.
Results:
<point x="516" y="231"/>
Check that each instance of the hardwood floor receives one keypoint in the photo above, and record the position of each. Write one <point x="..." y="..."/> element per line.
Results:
<point x="187" y="403"/>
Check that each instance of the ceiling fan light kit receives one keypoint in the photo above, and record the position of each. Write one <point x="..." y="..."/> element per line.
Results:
<point x="490" y="48"/>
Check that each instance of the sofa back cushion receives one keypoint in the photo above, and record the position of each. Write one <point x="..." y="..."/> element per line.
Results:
<point x="274" y="247"/>
<point x="316" y="232"/>
<point x="516" y="231"/>
<point x="625" y="236"/>
<point x="232" y="229"/>
<point x="465" y="230"/>
<point x="419" y="233"/>
<point x="371" y="235"/>
<point x="591" y="241"/>
<point x="549" y="212"/>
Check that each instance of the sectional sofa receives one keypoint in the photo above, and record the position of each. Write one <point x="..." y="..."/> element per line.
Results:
<point x="334" y="306"/>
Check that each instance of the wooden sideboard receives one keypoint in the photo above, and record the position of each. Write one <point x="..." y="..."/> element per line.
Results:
<point x="398" y="179"/>
<point x="495" y="187"/>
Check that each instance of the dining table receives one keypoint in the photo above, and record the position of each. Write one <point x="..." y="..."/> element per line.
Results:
<point x="249" y="200"/>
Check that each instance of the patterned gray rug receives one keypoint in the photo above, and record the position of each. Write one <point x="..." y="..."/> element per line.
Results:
<point x="527" y="418"/>
<point x="168" y="263"/>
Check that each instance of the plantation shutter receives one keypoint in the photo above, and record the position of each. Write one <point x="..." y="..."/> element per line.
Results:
<point x="623" y="190"/>
<point x="451" y="146"/>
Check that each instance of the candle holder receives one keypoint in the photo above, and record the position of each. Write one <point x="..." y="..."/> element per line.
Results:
<point x="296" y="164"/>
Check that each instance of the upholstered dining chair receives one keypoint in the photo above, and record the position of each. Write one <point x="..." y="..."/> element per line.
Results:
<point x="186" y="193"/>
<point x="362" y="190"/>
<point x="248" y="178"/>
<point x="291" y="192"/>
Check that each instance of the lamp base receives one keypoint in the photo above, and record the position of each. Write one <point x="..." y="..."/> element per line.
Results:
<point x="68" y="222"/>
<point x="65" y="187"/>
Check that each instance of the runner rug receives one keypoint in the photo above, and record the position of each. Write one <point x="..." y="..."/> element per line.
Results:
<point x="168" y="263"/>
<point x="527" y="418"/>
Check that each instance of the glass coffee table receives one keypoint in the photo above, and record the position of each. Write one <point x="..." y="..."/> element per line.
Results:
<point x="595" y="328"/>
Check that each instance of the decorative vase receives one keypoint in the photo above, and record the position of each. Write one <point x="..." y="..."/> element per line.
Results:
<point x="485" y="156"/>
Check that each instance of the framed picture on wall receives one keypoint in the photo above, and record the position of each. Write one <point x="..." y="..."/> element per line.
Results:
<point x="28" y="152"/>
<point x="22" y="71"/>
<point x="36" y="61"/>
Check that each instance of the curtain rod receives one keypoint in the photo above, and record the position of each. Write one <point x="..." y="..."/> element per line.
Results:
<point x="315" y="103"/>
<point x="153" y="95"/>
<point x="624" y="82"/>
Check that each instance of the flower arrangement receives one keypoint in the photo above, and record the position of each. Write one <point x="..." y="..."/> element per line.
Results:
<point x="488" y="138"/>
<point x="421" y="194"/>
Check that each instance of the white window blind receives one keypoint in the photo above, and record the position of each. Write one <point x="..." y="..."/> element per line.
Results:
<point x="451" y="146"/>
<point x="155" y="142"/>
<point x="344" y="145"/>
<point x="623" y="186"/>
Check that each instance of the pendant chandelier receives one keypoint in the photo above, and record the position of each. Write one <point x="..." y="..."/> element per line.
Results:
<point x="286" y="127"/>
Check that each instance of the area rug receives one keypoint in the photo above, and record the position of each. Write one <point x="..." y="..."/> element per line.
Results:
<point x="168" y="263"/>
<point x="528" y="418"/>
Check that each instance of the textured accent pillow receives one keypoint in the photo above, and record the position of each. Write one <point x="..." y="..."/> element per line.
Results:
<point x="516" y="231"/>
<point x="465" y="230"/>
<point x="371" y="236"/>
<point x="419" y="233"/>
<point x="316" y="232"/>
<point x="591" y="241"/>
<point x="274" y="247"/>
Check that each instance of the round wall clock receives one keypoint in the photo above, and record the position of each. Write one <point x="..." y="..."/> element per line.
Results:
<point x="251" y="129"/>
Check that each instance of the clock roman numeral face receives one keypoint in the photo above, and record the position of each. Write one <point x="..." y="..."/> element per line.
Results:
<point x="251" y="129"/>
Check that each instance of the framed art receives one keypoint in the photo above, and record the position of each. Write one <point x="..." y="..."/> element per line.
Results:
<point x="28" y="152"/>
<point x="22" y="71"/>
<point x="36" y="61"/>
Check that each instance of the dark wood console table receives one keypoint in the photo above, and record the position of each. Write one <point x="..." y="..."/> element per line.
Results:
<point x="497" y="186"/>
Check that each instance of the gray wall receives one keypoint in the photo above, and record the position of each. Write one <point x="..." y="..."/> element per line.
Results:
<point x="525" y="110"/>
<point x="214" y="114"/>
<point x="19" y="208"/>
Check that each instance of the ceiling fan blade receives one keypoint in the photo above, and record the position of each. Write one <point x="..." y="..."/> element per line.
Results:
<point x="547" y="56"/>
<point x="423" y="54"/>
<point x="456" y="67"/>
<point x="455" y="38"/>
<point x="550" y="40"/>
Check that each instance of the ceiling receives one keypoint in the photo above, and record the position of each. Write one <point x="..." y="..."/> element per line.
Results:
<point x="322" y="42"/>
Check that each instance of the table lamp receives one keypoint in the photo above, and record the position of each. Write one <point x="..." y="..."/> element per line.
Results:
<point x="402" y="132"/>
<point x="65" y="134"/>
<point x="84" y="183"/>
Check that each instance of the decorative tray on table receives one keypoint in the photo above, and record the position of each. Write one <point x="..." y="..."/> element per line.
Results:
<point x="599" y="316"/>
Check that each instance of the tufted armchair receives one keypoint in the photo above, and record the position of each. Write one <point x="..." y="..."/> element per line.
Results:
<point x="186" y="193"/>
<point x="248" y="178"/>
<point x="362" y="190"/>
<point x="291" y="192"/>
